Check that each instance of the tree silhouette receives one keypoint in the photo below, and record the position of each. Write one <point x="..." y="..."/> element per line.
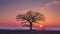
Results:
<point x="31" y="17"/>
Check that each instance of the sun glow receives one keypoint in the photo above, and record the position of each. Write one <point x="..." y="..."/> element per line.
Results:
<point x="41" y="25"/>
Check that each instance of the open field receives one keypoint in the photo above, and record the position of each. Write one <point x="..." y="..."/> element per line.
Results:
<point x="28" y="32"/>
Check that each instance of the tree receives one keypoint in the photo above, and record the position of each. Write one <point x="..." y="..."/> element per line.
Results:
<point x="31" y="17"/>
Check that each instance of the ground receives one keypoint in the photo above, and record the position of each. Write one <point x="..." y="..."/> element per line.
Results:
<point x="28" y="32"/>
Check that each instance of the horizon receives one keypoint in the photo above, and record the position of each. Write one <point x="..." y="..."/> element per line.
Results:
<point x="27" y="28"/>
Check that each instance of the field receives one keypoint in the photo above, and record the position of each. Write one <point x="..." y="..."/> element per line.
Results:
<point x="28" y="32"/>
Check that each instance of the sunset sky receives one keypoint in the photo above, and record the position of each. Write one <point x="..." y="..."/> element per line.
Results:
<point x="9" y="9"/>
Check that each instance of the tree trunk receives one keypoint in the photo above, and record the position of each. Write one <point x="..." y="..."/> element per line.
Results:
<point x="30" y="26"/>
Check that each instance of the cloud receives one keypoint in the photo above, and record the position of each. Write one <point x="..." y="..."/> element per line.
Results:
<point x="50" y="5"/>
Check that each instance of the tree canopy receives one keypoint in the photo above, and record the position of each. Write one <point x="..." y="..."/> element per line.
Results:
<point x="31" y="16"/>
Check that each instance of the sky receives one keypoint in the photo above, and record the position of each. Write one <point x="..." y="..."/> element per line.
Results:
<point x="9" y="9"/>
